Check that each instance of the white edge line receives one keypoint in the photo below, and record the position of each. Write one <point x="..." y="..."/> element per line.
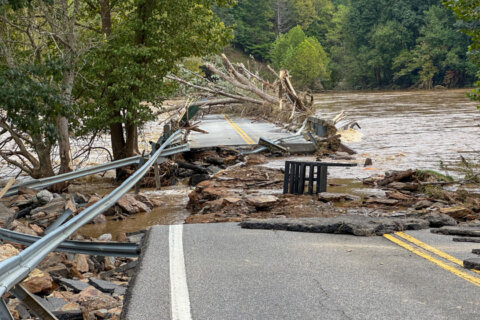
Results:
<point x="179" y="296"/>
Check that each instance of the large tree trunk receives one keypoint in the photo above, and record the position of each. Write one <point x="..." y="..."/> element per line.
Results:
<point x="46" y="168"/>
<point x="66" y="162"/>
<point x="131" y="147"/>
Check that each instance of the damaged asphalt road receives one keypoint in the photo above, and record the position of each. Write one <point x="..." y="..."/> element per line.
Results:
<point x="234" y="273"/>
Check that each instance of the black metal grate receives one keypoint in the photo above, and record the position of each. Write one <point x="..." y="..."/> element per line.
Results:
<point x="313" y="173"/>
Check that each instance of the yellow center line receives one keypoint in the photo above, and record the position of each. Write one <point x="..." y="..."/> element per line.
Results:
<point x="433" y="250"/>
<point x="240" y="132"/>
<point x="439" y="263"/>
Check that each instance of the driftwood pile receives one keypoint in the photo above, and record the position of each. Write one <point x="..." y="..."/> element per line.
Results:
<point x="239" y="85"/>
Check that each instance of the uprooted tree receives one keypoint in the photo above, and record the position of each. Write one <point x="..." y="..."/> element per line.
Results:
<point x="278" y="100"/>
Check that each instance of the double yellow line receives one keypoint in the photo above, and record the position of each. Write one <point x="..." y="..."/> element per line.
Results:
<point x="432" y="259"/>
<point x="240" y="132"/>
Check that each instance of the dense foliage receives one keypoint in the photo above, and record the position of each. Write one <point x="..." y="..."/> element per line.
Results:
<point x="369" y="43"/>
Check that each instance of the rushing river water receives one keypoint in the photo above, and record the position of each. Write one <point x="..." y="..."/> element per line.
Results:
<point x="400" y="130"/>
<point x="408" y="129"/>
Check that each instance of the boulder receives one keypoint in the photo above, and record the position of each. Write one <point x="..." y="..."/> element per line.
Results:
<point x="92" y="201"/>
<point x="38" y="281"/>
<point x="21" y="228"/>
<point x="79" y="198"/>
<point x="422" y="204"/>
<point x="58" y="270"/>
<point x="43" y="197"/>
<point x="93" y="299"/>
<point x="388" y="202"/>
<point x="438" y="220"/>
<point x="255" y="159"/>
<point x="131" y="205"/>
<point x="99" y="219"/>
<point x="459" y="212"/>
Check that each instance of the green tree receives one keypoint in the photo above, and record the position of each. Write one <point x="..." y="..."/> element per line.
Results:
<point x="285" y="44"/>
<point x="254" y="28"/>
<point x="467" y="11"/>
<point x="140" y="42"/>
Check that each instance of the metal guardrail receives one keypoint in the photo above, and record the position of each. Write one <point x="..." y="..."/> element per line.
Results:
<point x="114" y="249"/>
<point x="45" y="182"/>
<point x="263" y="148"/>
<point x="17" y="268"/>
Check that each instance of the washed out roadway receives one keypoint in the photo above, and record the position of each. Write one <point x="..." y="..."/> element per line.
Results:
<point x="235" y="273"/>
<point x="229" y="131"/>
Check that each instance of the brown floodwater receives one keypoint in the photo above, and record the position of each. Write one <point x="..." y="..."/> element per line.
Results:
<point x="406" y="129"/>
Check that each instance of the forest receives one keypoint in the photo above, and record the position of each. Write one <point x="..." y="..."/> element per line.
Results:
<point x="355" y="44"/>
<point x="72" y="68"/>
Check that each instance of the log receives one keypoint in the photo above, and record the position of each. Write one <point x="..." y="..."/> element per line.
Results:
<point x="186" y="165"/>
<point x="397" y="176"/>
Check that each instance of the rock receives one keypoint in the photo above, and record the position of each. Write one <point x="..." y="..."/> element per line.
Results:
<point x="21" y="228"/>
<point x="438" y="220"/>
<point x="328" y="197"/>
<point x="76" y="285"/>
<point x="255" y="159"/>
<point x="6" y="215"/>
<point x="92" y="201"/>
<point x="131" y="205"/>
<point x="105" y="237"/>
<point x="38" y="230"/>
<point x="368" y="162"/>
<point x="231" y="200"/>
<point x="27" y="191"/>
<point x="71" y="205"/>
<point x="53" y="207"/>
<point x="197" y="178"/>
<point x="472" y="263"/>
<point x="38" y="281"/>
<point x="44" y="197"/>
<point x="93" y="299"/>
<point x="397" y="195"/>
<point x="356" y="225"/>
<point x="81" y="262"/>
<point x="7" y="250"/>
<point x="106" y="286"/>
<point x="121" y="237"/>
<point x="99" y="219"/>
<point x="79" y="198"/>
<point x="422" y="204"/>
<point x="262" y="201"/>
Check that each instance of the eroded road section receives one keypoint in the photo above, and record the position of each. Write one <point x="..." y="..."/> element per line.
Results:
<point x="234" y="273"/>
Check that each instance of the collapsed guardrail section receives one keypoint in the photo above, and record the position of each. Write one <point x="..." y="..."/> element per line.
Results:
<point x="17" y="268"/>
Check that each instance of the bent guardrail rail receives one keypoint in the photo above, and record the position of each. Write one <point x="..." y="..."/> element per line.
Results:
<point x="17" y="268"/>
<point x="45" y="182"/>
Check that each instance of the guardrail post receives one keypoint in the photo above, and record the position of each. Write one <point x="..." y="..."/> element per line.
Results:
<point x="32" y="303"/>
<point x="4" y="312"/>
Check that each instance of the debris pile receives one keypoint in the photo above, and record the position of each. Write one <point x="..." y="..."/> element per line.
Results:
<point x="425" y="192"/>
<point x="75" y="286"/>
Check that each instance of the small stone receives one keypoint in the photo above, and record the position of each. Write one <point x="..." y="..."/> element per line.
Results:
<point x="105" y="237"/>
<point x="23" y="312"/>
<point x="458" y="212"/>
<point x="92" y="201"/>
<point x="71" y="205"/>
<point x="51" y="208"/>
<point x="44" y="197"/>
<point x="58" y="270"/>
<point x="6" y="215"/>
<point x="36" y="228"/>
<point x="388" y="202"/>
<point x="438" y="220"/>
<point x="79" y="198"/>
<point x="131" y="205"/>
<point x="231" y="200"/>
